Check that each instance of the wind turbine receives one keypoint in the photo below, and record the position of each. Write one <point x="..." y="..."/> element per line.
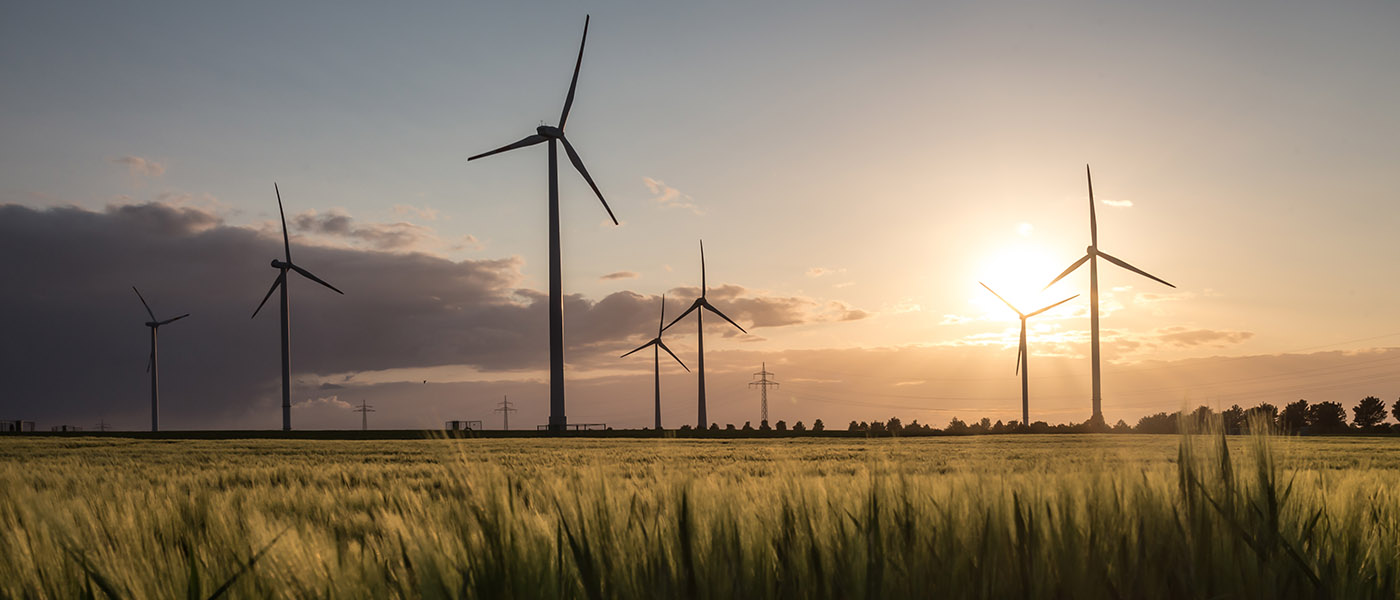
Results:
<point x="657" y="347"/>
<point x="1022" y="355"/>
<point x="555" y="136"/>
<point x="154" y="365"/>
<point x="1091" y="255"/>
<point x="699" y="303"/>
<point x="281" y="282"/>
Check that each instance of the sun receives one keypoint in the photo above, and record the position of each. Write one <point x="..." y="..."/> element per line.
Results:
<point x="1018" y="272"/>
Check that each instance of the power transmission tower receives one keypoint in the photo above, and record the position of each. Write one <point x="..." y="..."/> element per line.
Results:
<point x="505" y="411"/>
<point x="364" y="411"/>
<point x="763" y="384"/>
<point x="102" y="425"/>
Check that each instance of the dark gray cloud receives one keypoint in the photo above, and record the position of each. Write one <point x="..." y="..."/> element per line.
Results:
<point x="75" y="343"/>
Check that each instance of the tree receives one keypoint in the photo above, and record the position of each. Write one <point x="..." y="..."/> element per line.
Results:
<point x="1201" y="418"/>
<point x="1120" y="427"/>
<point x="1294" y="416"/>
<point x="764" y="426"/>
<point x="798" y="426"/>
<point x="894" y="426"/>
<point x="1395" y="410"/>
<point x="1232" y="419"/>
<point x="854" y="427"/>
<point x="818" y="425"/>
<point x="1158" y="423"/>
<point x="1262" y="417"/>
<point x="876" y="426"/>
<point x="685" y="427"/>
<point x="1327" y="416"/>
<point x="748" y="426"/>
<point x="715" y="426"/>
<point x="781" y="425"/>
<point x="956" y="426"/>
<point x="729" y="427"/>
<point x="1369" y="412"/>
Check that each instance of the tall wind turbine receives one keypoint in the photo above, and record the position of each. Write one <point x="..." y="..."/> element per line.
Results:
<point x="154" y="365"/>
<point x="699" y="303"/>
<point x="1022" y="366"/>
<point x="281" y="283"/>
<point x="657" y="347"/>
<point x="1091" y="255"/>
<point x="555" y="136"/>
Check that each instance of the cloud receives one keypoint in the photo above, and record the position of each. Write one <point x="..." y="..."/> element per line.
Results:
<point x="822" y="271"/>
<point x="668" y="196"/>
<point x="337" y="226"/>
<point x="140" y="167"/>
<point x="80" y="349"/>
<point x="425" y="213"/>
<point x="1118" y="203"/>
<point x="324" y="402"/>
<point x="1182" y="336"/>
<point x="620" y="275"/>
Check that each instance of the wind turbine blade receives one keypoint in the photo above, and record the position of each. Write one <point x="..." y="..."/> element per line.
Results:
<point x="1135" y="269"/>
<point x="1003" y="300"/>
<point x="307" y="274"/>
<point x="527" y="141"/>
<point x="712" y="309"/>
<point x="143" y="302"/>
<point x="280" y="279"/>
<point x="1021" y="353"/>
<point x="569" y="99"/>
<point x="286" y="243"/>
<point x="693" y="306"/>
<point x="662" y="322"/>
<point x="1068" y="271"/>
<point x="673" y="354"/>
<point x="173" y="320"/>
<point x="703" y="287"/>
<point x="1093" y="220"/>
<point x="653" y="341"/>
<point x="578" y="164"/>
<point x="1052" y="306"/>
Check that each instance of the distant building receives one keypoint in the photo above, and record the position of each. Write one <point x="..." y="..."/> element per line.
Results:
<point x="464" y="426"/>
<point x="16" y="426"/>
<point x="65" y="428"/>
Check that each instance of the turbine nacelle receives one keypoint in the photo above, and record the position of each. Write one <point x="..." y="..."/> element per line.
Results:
<point x="277" y="264"/>
<point x="550" y="131"/>
<point x="1090" y="250"/>
<point x="152" y="324"/>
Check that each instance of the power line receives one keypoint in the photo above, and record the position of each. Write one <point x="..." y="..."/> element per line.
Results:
<point x="763" y="384"/>
<point x="505" y="410"/>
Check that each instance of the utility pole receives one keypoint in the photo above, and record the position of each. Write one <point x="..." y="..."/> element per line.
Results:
<point x="364" y="411"/>
<point x="763" y="384"/>
<point x="505" y="410"/>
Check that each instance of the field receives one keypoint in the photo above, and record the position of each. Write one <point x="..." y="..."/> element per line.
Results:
<point x="1082" y="516"/>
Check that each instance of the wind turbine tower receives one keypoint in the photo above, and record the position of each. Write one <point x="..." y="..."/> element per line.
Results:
<point x="695" y="307"/>
<point x="555" y="136"/>
<point x="763" y="384"/>
<point x="281" y="283"/>
<point x="1022" y="355"/>
<point x="364" y="410"/>
<point x="154" y="365"/>
<point x="1092" y="255"/>
<point x="505" y="411"/>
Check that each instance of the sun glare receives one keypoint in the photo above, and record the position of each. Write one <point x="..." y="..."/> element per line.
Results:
<point x="1018" y="273"/>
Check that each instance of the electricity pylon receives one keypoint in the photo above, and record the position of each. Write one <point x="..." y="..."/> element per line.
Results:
<point x="505" y="410"/>
<point x="763" y="384"/>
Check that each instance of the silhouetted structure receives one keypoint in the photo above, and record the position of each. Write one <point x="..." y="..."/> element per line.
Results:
<point x="555" y="136"/>
<point x="16" y="426"/>
<point x="702" y="303"/>
<point x="1022" y="355"/>
<point x="763" y="384"/>
<point x="575" y="427"/>
<point x="1091" y="255"/>
<point x="364" y="410"/>
<point x="281" y="283"/>
<point x="505" y="410"/>
<point x="657" y="346"/>
<point x="153" y="366"/>
<point x="464" y="426"/>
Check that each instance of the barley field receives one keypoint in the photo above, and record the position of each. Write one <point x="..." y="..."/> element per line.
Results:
<point x="1058" y="516"/>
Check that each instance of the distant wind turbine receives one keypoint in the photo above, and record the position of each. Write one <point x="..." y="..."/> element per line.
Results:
<point x="657" y="347"/>
<point x="555" y="135"/>
<point x="154" y="365"/>
<point x="281" y="283"/>
<point x="699" y="303"/>
<point x="1091" y="255"/>
<point x="1022" y="366"/>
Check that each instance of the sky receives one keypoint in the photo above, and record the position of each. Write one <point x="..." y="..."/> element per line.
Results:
<point x="853" y="169"/>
